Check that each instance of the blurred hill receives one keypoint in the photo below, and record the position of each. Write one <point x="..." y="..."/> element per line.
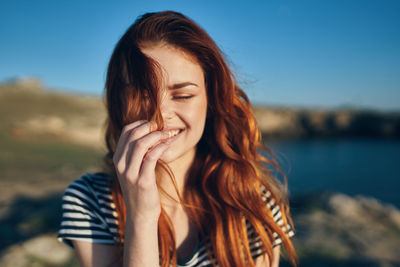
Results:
<point x="29" y="111"/>
<point x="41" y="137"/>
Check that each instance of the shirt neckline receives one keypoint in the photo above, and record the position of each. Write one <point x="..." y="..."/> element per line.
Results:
<point x="185" y="260"/>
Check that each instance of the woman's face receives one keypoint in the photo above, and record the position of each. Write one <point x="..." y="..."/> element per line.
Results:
<point x="183" y="100"/>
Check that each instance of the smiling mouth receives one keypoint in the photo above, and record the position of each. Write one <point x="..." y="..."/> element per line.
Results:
<point x="174" y="132"/>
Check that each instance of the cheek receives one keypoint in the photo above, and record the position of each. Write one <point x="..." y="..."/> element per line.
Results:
<point x="197" y="115"/>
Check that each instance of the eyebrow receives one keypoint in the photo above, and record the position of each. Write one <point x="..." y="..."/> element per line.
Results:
<point x="181" y="85"/>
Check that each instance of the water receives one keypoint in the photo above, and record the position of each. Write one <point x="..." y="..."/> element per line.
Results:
<point x="363" y="166"/>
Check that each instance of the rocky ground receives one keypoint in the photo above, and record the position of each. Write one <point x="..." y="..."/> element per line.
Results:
<point x="332" y="229"/>
<point x="41" y="251"/>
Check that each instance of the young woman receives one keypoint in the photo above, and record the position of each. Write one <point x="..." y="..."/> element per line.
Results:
<point x="185" y="184"/>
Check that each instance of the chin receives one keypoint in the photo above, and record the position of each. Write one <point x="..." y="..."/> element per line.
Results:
<point x="171" y="156"/>
<point x="167" y="158"/>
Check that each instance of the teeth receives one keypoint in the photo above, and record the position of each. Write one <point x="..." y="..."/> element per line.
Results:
<point x="173" y="133"/>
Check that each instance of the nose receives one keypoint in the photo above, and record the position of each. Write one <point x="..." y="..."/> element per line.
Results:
<point x="166" y="108"/>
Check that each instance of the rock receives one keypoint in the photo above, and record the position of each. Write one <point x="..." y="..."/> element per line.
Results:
<point x="345" y="229"/>
<point x="43" y="250"/>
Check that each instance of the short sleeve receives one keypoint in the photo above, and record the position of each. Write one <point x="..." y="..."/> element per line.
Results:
<point x="88" y="213"/>
<point x="254" y="240"/>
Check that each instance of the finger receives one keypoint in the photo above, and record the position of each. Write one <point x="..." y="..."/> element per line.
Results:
<point x="137" y="130"/>
<point x="137" y="150"/>
<point x="142" y="130"/>
<point x="150" y="161"/>
<point x="128" y="128"/>
<point x="125" y="130"/>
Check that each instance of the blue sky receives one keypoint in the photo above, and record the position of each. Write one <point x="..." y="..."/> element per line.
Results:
<point x="322" y="53"/>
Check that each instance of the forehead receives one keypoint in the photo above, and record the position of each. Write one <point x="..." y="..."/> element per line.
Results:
<point x="176" y="65"/>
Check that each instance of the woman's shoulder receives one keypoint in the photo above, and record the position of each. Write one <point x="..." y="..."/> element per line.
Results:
<point x="92" y="191"/>
<point x="89" y="211"/>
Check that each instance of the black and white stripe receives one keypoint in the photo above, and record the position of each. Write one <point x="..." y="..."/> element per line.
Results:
<point x="88" y="211"/>
<point x="89" y="215"/>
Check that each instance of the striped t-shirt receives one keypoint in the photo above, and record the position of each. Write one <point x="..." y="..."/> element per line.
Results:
<point x="88" y="214"/>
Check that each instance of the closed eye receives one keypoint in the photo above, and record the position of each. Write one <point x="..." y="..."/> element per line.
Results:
<point x="182" y="97"/>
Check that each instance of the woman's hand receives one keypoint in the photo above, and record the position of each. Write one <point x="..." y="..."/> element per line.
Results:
<point x="138" y="149"/>
<point x="135" y="158"/>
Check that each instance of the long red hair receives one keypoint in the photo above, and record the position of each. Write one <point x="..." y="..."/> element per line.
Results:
<point x="228" y="173"/>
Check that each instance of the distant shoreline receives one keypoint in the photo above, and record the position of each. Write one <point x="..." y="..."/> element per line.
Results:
<point x="295" y="123"/>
